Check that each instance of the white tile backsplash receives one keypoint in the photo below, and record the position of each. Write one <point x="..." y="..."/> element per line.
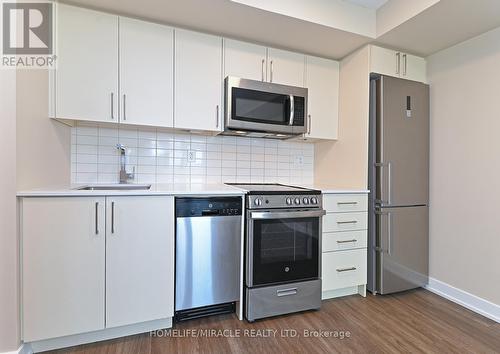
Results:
<point x="161" y="157"/>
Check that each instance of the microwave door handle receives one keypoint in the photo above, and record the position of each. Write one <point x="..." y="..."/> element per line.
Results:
<point x="292" y="110"/>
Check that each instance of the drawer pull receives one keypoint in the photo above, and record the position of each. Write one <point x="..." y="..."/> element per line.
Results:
<point x="286" y="292"/>
<point x="347" y="203"/>
<point x="340" y="270"/>
<point x="347" y="241"/>
<point x="347" y="222"/>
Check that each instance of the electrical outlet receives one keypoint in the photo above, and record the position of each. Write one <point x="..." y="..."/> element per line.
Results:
<point x="191" y="156"/>
<point x="298" y="160"/>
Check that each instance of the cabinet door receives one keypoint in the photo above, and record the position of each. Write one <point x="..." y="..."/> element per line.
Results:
<point x="198" y="88"/>
<point x="413" y="68"/>
<point x="139" y="259"/>
<point x="146" y="73"/>
<point x="385" y="61"/>
<point x="63" y="244"/>
<point x="286" y="68"/>
<point x="87" y="65"/>
<point x="244" y="60"/>
<point x="322" y="81"/>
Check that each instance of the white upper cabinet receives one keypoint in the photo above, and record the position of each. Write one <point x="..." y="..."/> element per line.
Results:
<point x="198" y="85"/>
<point x="322" y="81"/>
<point x="245" y="60"/>
<point x="286" y="68"/>
<point x="398" y="64"/>
<point x="63" y="256"/>
<point x="139" y="259"/>
<point x="146" y="73"/>
<point x="86" y="81"/>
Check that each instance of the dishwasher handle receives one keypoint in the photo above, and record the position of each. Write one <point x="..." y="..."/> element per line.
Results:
<point x="210" y="212"/>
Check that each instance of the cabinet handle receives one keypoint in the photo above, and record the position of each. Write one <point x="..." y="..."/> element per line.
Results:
<point x="347" y="222"/>
<point x="309" y="124"/>
<point x="271" y="72"/>
<point x="340" y="270"/>
<point x="404" y="66"/>
<point x="217" y="116"/>
<point x="97" y="218"/>
<point x="347" y="241"/>
<point x="124" y="107"/>
<point x="112" y="105"/>
<point x="262" y="69"/>
<point x="112" y="217"/>
<point x="347" y="203"/>
<point x="398" y="63"/>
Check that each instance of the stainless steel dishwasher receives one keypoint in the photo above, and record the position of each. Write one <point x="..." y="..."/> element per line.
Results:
<point x="207" y="256"/>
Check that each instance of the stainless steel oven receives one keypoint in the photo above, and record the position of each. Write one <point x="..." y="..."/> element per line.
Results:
<point x="264" y="109"/>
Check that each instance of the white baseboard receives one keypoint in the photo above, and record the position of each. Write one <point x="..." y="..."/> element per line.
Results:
<point x="23" y="349"/>
<point x="465" y="299"/>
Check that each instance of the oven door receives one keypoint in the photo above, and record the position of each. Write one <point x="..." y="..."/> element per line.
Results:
<point x="283" y="246"/>
<point x="265" y="107"/>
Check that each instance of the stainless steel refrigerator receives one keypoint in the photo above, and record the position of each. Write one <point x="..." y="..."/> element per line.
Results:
<point x="398" y="257"/>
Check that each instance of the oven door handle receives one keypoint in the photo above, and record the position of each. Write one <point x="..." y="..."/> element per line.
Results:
<point x="286" y="214"/>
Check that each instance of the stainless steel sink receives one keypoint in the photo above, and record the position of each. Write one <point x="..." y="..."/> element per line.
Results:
<point x="114" y="187"/>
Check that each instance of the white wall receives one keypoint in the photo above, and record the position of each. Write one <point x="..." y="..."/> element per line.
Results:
<point x="465" y="166"/>
<point x="9" y="314"/>
<point x="162" y="157"/>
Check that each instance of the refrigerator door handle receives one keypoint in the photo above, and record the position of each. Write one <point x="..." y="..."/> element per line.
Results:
<point x="387" y="165"/>
<point x="380" y="248"/>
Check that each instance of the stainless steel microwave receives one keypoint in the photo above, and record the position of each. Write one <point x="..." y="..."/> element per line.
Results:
<point x="263" y="109"/>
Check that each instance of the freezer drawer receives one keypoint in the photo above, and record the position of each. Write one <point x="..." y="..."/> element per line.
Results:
<point x="343" y="269"/>
<point x="345" y="240"/>
<point x="341" y="203"/>
<point x="402" y="244"/>
<point x="345" y="222"/>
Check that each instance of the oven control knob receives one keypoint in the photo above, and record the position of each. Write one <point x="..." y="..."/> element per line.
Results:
<point x="305" y="200"/>
<point x="314" y="200"/>
<point x="297" y="201"/>
<point x="258" y="202"/>
<point x="289" y="201"/>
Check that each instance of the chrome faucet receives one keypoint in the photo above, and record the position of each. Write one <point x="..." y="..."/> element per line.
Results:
<point x="124" y="176"/>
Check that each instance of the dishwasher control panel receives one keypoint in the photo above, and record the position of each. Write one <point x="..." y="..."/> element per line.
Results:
<point x="199" y="207"/>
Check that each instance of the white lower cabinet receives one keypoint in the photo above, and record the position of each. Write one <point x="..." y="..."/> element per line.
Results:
<point x="344" y="245"/>
<point x="91" y="263"/>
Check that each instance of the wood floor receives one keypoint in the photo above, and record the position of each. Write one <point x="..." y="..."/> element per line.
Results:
<point x="412" y="322"/>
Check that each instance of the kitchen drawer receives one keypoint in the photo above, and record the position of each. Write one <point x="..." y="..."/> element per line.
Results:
<point x="339" y="203"/>
<point x="345" y="222"/>
<point x="343" y="269"/>
<point x="345" y="240"/>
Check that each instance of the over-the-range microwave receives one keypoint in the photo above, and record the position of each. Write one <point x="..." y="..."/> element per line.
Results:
<point x="262" y="109"/>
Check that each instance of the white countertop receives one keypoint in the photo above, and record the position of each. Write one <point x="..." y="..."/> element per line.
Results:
<point x="156" y="189"/>
<point x="165" y="189"/>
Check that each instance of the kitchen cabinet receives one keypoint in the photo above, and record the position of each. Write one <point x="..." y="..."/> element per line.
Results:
<point x="139" y="259"/>
<point x="198" y="88"/>
<point x="146" y="73"/>
<point x="63" y="261"/>
<point x="91" y="263"/>
<point x="245" y="60"/>
<point x="344" y="246"/>
<point x="286" y="68"/>
<point x="322" y="81"/>
<point x="86" y="78"/>
<point x="398" y="64"/>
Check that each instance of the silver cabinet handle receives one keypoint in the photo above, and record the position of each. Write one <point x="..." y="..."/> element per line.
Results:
<point x="404" y="65"/>
<point x="286" y="292"/>
<point x="309" y="124"/>
<point x="262" y="68"/>
<point x="347" y="241"/>
<point x="271" y="72"/>
<point x="340" y="270"/>
<point x="124" y="107"/>
<point x="347" y="222"/>
<point x="292" y="109"/>
<point x="398" y="63"/>
<point x="97" y="218"/>
<point x="112" y="105"/>
<point x="112" y="217"/>
<point x="217" y="116"/>
<point x="347" y="203"/>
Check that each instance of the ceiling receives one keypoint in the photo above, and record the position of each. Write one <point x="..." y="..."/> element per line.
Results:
<point x="438" y="27"/>
<point x="371" y="4"/>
